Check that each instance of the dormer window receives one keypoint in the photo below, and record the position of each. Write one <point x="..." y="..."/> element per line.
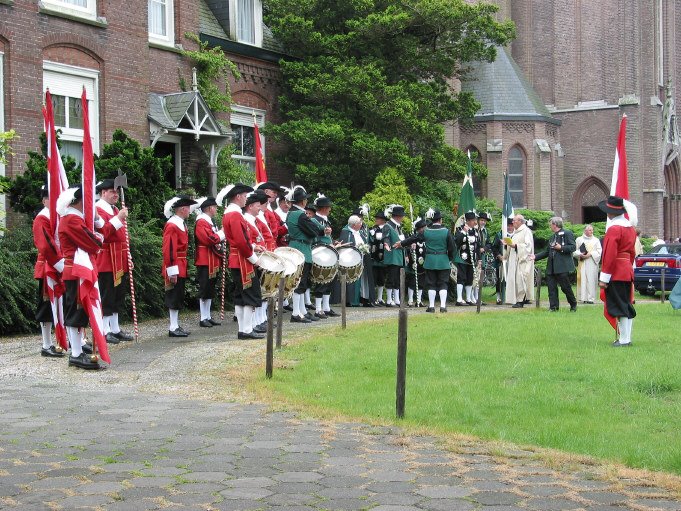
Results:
<point x="161" y="22"/>
<point x="247" y="21"/>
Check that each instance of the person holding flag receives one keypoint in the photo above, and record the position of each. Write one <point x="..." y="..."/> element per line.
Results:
<point x="47" y="271"/>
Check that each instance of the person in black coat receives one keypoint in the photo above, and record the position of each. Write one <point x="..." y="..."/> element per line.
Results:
<point x="560" y="264"/>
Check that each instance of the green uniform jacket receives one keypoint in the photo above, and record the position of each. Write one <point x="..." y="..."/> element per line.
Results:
<point x="394" y="257"/>
<point x="326" y="240"/>
<point x="302" y="232"/>
<point x="439" y="247"/>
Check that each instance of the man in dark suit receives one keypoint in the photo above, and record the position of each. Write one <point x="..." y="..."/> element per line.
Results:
<point x="560" y="264"/>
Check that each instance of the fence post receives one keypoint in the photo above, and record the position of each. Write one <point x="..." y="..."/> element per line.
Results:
<point x="662" y="284"/>
<point x="344" y="292"/>
<point x="280" y="310"/>
<point x="269" y="357"/>
<point x="400" y="389"/>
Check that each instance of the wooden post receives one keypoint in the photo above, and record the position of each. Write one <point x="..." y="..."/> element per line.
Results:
<point x="280" y="310"/>
<point x="403" y="299"/>
<point x="400" y="388"/>
<point x="662" y="284"/>
<point x="481" y="275"/>
<point x="538" y="293"/>
<point x="269" y="357"/>
<point x="344" y="293"/>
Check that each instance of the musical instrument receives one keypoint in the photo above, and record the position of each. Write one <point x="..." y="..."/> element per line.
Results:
<point x="271" y="270"/>
<point x="294" y="260"/>
<point x="324" y="264"/>
<point x="453" y="270"/>
<point x="350" y="263"/>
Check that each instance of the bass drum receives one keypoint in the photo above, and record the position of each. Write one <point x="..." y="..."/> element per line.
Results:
<point x="294" y="261"/>
<point x="324" y="264"/>
<point x="350" y="263"/>
<point x="272" y="268"/>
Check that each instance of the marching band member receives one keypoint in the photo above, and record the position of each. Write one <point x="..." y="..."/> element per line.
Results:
<point x="322" y="292"/>
<point x="174" y="268"/>
<point x="208" y="257"/>
<point x="467" y="240"/>
<point x="378" y="235"/>
<point x="393" y="258"/>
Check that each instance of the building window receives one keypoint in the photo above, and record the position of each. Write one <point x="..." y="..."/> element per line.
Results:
<point x="247" y="21"/>
<point x="243" y="142"/>
<point x="516" y="176"/>
<point x="161" y="22"/>
<point x="87" y="8"/>
<point x="66" y="86"/>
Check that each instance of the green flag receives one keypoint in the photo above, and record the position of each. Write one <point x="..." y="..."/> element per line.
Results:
<point x="467" y="200"/>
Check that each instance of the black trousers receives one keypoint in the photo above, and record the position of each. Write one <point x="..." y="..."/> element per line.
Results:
<point x="206" y="284"/>
<point x="379" y="275"/>
<point x="438" y="280"/>
<point x="74" y="314"/>
<point x="464" y="274"/>
<point x="112" y="297"/>
<point x="553" y="280"/>
<point x="304" y="279"/>
<point x="43" y="311"/>
<point x="392" y="280"/>
<point x="249" y="296"/>
<point x="175" y="295"/>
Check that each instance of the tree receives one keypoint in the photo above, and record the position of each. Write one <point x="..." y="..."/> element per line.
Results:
<point x="389" y="188"/>
<point x="371" y="86"/>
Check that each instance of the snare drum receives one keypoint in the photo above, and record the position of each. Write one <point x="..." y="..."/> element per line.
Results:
<point x="350" y="263"/>
<point x="293" y="260"/>
<point x="324" y="264"/>
<point x="272" y="268"/>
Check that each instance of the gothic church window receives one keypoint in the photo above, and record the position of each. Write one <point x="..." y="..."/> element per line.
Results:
<point x="516" y="176"/>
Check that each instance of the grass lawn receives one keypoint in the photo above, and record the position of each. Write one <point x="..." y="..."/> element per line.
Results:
<point x="528" y="377"/>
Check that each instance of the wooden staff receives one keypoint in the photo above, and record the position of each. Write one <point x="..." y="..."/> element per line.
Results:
<point x="222" y="285"/>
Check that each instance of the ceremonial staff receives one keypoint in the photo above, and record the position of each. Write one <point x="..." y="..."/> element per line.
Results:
<point x="224" y="273"/>
<point x="414" y="262"/>
<point x="121" y="182"/>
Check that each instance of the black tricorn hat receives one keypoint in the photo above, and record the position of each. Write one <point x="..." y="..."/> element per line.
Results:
<point x="437" y="216"/>
<point x="256" y="196"/>
<point x="105" y="184"/>
<point x="322" y="202"/>
<point x="381" y="215"/>
<point x="419" y="224"/>
<point x="210" y="201"/>
<point x="237" y="189"/>
<point x="509" y="220"/>
<point x="311" y="207"/>
<point x="299" y="194"/>
<point x="44" y="192"/>
<point x="398" y="211"/>
<point x="469" y="215"/>
<point x="269" y="185"/>
<point x="184" y="200"/>
<point x="613" y="205"/>
<point x="484" y="216"/>
<point x="78" y="195"/>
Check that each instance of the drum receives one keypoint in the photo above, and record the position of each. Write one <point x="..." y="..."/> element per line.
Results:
<point x="293" y="260"/>
<point x="324" y="264"/>
<point x="350" y="263"/>
<point x="272" y="268"/>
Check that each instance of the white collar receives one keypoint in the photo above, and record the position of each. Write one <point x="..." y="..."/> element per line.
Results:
<point x="250" y="219"/>
<point x="297" y="207"/>
<point x="204" y="216"/>
<point x="261" y="216"/>
<point x="44" y="212"/>
<point x="233" y="208"/>
<point x="323" y="217"/>
<point x="620" y="220"/>
<point x="177" y="221"/>
<point x="101" y="203"/>
<point x="73" y="211"/>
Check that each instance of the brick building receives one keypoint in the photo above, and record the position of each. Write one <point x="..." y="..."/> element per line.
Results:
<point x="587" y="63"/>
<point x="128" y="56"/>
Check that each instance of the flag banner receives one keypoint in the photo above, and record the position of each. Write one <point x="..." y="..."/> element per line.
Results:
<point x="467" y="199"/>
<point x="88" y="292"/>
<point x="260" y="172"/>
<point x="507" y="209"/>
<point x="88" y="173"/>
<point x="620" y="180"/>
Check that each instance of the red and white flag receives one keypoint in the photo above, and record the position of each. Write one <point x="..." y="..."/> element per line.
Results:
<point x="260" y="173"/>
<point x="56" y="183"/>
<point x="620" y="179"/>
<point x="83" y="264"/>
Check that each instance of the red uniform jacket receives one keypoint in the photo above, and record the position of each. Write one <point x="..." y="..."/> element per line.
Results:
<point x="618" y="252"/>
<point x="73" y="234"/>
<point x="114" y="255"/>
<point x="240" y="250"/>
<point x="277" y="227"/>
<point x="269" y="239"/>
<point x="48" y="252"/>
<point x="208" y="238"/>
<point x="175" y="244"/>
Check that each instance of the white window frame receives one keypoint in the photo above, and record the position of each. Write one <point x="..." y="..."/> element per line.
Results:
<point x="523" y="174"/>
<point x="243" y="116"/>
<point x="257" y="21"/>
<point x="87" y="77"/>
<point x="169" y="38"/>
<point x="89" y="12"/>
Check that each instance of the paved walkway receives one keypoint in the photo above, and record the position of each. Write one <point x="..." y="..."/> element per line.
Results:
<point x="133" y="438"/>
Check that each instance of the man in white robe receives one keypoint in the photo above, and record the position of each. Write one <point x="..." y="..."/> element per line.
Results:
<point x="589" y="255"/>
<point x="520" y="268"/>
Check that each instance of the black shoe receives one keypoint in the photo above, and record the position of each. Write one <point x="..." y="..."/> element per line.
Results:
<point x="527" y="302"/>
<point x="288" y="308"/>
<point x="213" y="322"/>
<point x="178" y="332"/>
<point x="470" y="304"/>
<point x="573" y="308"/>
<point x="87" y="349"/>
<point x="553" y="309"/>
<point x="250" y="335"/>
<point x="123" y="336"/>
<point x="205" y="323"/>
<point x="84" y="362"/>
<point x="498" y="302"/>
<point x="332" y="313"/>
<point x="430" y="309"/>
<point x="300" y="319"/>
<point x="52" y="352"/>
<point x="589" y="303"/>
<point x="460" y="304"/>
<point x="380" y="303"/>
<point x="310" y="307"/>
<point x="443" y="309"/>
<point x="112" y="339"/>
<point x="518" y="305"/>
<point x="368" y="304"/>
<point x="311" y="317"/>
<point x="234" y="318"/>
<point x="183" y="330"/>
<point x="617" y="344"/>
<point x="483" y="304"/>
<point x="260" y="329"/>
<point x="321" y="315"/>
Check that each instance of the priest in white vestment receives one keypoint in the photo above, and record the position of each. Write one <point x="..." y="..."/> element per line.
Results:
<point x="589" y="255"/>
<point x="520" y="267"/>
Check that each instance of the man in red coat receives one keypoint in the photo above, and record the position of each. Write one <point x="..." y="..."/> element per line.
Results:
<point x="242" y="257"/>
<point x="74" y="235"/>
<point x="616" y="279"/>
<point x="208" y="258"/>
<point x="276" y="224"/>
<point x="112" y="261"/>
<point x="50" y="263"/>
<point x="174" y="269"/>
